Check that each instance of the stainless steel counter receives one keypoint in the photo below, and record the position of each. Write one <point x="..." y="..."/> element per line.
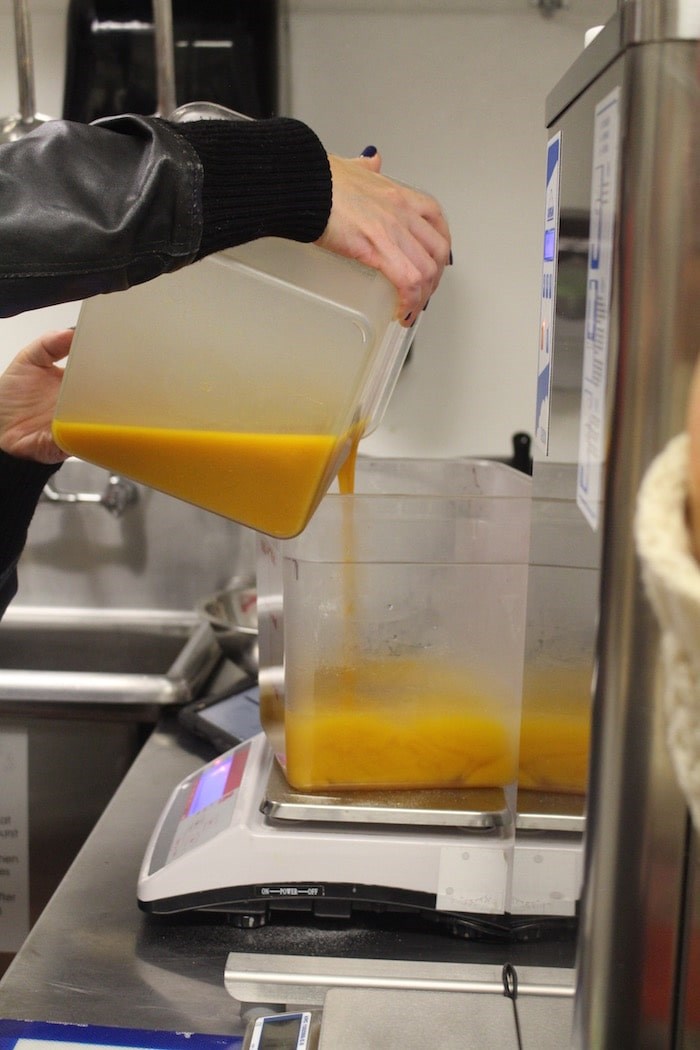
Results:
<point x="94" y="958"/>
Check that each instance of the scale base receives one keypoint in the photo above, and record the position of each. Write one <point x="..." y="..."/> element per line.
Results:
<point x="236" y="840"/>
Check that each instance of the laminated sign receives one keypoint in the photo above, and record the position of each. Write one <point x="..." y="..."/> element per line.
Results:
<point x="14" y="840"/>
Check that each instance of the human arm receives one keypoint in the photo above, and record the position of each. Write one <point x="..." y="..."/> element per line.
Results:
<point x="96" y="208"/>
<point x="28" y="456"/>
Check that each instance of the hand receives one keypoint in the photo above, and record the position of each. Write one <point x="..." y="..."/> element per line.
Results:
<point x="28" y="394"/>
<point x="391" y="227"/>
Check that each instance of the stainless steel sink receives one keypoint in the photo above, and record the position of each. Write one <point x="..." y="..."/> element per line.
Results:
<point x="138" y="660"/>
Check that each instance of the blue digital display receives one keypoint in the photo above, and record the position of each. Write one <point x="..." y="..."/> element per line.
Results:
<point x="211" y="786"/>
<point x="550" y="238"/>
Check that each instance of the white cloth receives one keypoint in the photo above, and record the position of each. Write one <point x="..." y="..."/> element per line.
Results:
<point x="671" y="577"/>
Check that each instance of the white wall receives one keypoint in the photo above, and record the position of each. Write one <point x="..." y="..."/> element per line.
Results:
<point x="453" y="94"/>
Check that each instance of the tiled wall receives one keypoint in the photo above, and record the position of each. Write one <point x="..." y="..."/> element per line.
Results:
<point x="453" y="94"/>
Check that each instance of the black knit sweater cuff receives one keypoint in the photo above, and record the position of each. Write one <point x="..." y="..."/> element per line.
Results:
<point x="262" y="178"/>
<point x="21" y="481"/>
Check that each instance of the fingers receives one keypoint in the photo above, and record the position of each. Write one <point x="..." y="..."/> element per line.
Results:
<point x="412" y="251"/>
<point x="392" y="227"/>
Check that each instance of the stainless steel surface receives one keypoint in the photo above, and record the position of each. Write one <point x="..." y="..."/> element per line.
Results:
<point x="543" y="811"/>
<point x="634" y="896"/>
<point x="485" y="809"/>
<point x="689" y="1022"/>
<point x="53" y="657"/>
<point x="14" y="127"/>
<point x="232" y="615"/>
<point x="146" y="560"/>
<point x="635" y="22"/>
<point x="298" y="980"/>
<point x="117" y="496"/>
<point x="92" y="957"/>
<point x="74" y="768"/>
<point x="386" y="1020"/>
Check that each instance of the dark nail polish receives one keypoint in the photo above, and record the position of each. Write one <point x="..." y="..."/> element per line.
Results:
<point x="426" y="306"/>
<point x="407" y="317"/>
<point x="369" y="151"/>
<point x="451" y="260"/>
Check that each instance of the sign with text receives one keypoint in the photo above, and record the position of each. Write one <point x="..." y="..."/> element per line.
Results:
<point x="14" y="839"/>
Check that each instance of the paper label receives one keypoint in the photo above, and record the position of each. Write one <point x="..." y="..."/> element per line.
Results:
<point x="592" y="436"/>
<point x="548" y="291"/>
<point x="14" y="839"/>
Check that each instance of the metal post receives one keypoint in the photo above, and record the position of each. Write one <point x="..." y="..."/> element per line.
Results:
<point x="636" y="820"/>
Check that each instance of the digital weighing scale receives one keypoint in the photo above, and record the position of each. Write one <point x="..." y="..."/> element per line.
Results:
<point x="235" y="838"/>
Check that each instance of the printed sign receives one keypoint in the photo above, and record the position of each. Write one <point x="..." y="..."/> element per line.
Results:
<point x="548" y="291"/>
<point x="592" y="436"/>
<point x="14" y="839"/>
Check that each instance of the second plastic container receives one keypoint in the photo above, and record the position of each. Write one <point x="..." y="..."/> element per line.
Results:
<point x="391" y="631"/>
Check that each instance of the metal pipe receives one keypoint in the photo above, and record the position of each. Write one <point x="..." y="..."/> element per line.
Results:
<point x="165" y="58"/>
<point x="25" y="63"/>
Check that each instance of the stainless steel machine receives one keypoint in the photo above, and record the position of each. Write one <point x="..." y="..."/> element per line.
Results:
<point x="622" y="240"/>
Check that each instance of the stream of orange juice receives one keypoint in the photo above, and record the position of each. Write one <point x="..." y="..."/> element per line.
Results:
<point x="270" y="482"/>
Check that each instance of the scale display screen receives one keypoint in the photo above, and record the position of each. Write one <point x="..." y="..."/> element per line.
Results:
<point x="216" y="782"/>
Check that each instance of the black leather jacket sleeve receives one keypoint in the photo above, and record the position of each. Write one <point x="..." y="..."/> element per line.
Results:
<point x="85" y="210"/>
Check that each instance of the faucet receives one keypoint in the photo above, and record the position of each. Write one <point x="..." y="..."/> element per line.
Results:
<point x="119" y="494"/>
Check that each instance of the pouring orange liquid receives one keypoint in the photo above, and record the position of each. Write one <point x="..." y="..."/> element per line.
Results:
<point x="271" y="482"/>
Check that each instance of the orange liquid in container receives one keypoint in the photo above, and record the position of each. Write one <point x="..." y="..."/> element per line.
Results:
<point x="405" y="721"/>
<point x="270" y="482"/>
<point x="556" y="728"/>
<point x="399" y="722"/>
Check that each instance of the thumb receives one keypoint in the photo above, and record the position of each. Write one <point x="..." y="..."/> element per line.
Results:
<point x="55" y="345"/>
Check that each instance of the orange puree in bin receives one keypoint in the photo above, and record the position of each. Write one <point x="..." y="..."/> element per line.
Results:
<point x="555" y="730"/>
<point x="270" y="482"/>
<point x="399" y="722"/>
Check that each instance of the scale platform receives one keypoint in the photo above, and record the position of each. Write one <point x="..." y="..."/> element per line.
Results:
<point x="474" y="808"/>
<point x="234" y="838"/>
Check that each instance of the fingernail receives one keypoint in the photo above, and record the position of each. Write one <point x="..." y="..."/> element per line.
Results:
<point x="369" y="151"/>
<point x="451" y="260"/>
<point x="407" y="317"/>
<point x="426" y="306"/>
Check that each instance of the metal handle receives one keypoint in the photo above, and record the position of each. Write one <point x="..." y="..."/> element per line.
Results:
<point x="165" y="58"/>
<point x="25" y="63"/>
<point x="118" y="495"/>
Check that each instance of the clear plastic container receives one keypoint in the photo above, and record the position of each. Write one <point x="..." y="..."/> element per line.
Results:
<point x="238" y="383"/>
<point x="391" y="631"/>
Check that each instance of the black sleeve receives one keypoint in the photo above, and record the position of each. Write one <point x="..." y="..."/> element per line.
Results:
<point x="96" y="208"/>
<point x="21" y="484"/>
